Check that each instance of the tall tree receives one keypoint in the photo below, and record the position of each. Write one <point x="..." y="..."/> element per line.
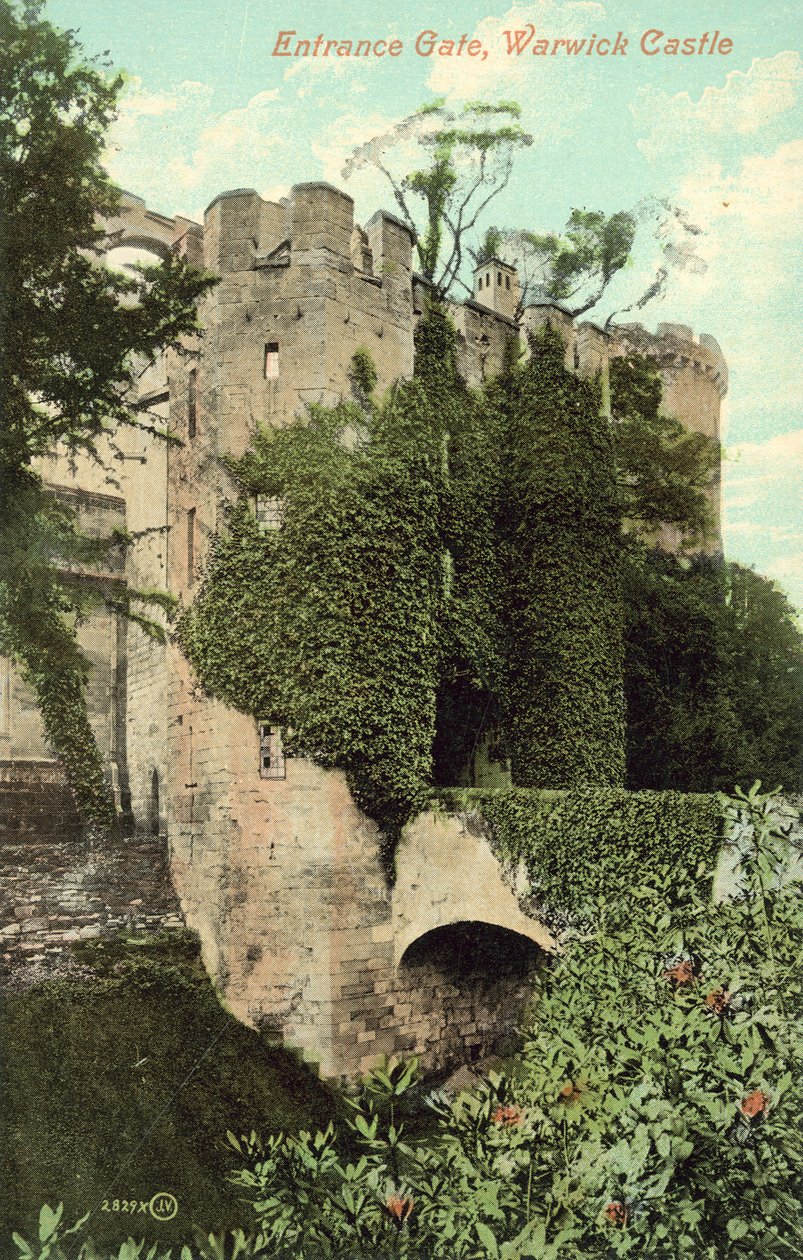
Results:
<point x="71" y="334"/>
<point x="665" y="471"/>
<point x="470" y="155"/>
<point x="577" y="267"/>
<point x="713" y="676"/>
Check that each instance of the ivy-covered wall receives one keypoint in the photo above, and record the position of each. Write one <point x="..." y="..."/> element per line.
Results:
<point x="560" y="548"/>
<point x="446" y="564"/>
<point x="328" y="625"/>
<point x="589" y="842"/>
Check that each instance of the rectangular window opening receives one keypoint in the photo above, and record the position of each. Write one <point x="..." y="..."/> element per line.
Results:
<point x="271" y="366"/>
<point x="507" y="282"/>
<point x="190" y="545"/>
<point x="269" y="510"/>
<point x="192" y="402"/>
<point x="272" y="763"/>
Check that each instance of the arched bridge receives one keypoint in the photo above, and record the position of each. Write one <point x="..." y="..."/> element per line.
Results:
<point x="306" y="939"/>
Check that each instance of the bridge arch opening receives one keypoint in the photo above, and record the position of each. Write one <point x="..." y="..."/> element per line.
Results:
<point x="467" y="986"/>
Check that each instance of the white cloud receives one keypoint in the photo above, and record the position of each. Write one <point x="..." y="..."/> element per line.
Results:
<point x="146" y="117"/>
<point x="336" y="143"/>
<point x="749" y="216"/>
<point x="235" y="146"/>
<point x="768" y="474"/>
<point x="765" y="194"/>
<point x="746" y="104"/>
<point x="762" y="493"/>
<point x="783" y="449"/>
<point x="498" y="74"/>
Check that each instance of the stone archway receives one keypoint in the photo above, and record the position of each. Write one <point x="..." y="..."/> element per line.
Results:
<point x="446" y="872"/>
<point x="464" y="988"/>
<point x="464" y="951"/>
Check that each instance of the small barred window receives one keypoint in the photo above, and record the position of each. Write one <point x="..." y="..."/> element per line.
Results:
<point x="271" y="752"/>
<point x="272" y="361"/>
<point x="269" y="511"/>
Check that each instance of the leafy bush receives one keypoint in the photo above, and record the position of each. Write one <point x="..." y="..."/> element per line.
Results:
<point x="652" y="1113"/>
<point x="53" y="1243"/>
<point x="120" y="1082"/>
<point x="713" y="676"/>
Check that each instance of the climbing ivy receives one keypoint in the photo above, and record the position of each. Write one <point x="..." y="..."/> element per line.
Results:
<point x="561" y="549"/>
<point x="446" y="564"/>
<point x="473" y="633"/>
<point x="328" y="626"/>
<point x="580" y="844"/>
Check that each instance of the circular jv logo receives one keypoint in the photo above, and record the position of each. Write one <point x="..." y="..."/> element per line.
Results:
<point x="163" y="1206"/>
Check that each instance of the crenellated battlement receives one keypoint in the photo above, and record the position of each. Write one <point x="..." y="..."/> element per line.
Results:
<point x="674" y="346"/>
<point x="314" y="230"/>
<point x="303" y="286"/>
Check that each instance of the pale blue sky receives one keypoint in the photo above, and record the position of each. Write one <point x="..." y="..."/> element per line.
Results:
<point x="209" y="108"/>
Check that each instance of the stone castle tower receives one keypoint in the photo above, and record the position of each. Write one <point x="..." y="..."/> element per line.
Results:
<point x="302" y="287"/>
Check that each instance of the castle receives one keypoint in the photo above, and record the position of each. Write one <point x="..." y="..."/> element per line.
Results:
<point x="272" y="862"/>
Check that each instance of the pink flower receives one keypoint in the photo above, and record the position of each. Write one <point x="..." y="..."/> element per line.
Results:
<point x="754" y="1103"/>
<point x="399" y="1207"/>
<point x="507" y="1117"/>
<point x="616" y="1213"/>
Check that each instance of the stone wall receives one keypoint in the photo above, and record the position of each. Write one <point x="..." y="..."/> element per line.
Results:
<point x="299" y="926"/>
<point x="56" y="891"/>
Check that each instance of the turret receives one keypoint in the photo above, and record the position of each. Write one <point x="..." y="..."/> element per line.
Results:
<point x="496" y="285"/>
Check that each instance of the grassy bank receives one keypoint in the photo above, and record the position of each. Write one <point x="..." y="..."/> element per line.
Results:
<point x="123" y="1083"/>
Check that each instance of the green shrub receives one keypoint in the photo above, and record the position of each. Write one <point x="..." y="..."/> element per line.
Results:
<point x="57" y="1241"/>
<point x="653" y="1112"/>
<point x="119" y="1083"/>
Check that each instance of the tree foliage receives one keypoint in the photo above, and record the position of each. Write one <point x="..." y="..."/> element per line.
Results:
<point x="575" y="268"/>
<point x="72" y="333"/>
<point x="470" y="154"/>
<point x="666" y="472"/>
<point x="713" y="676"/>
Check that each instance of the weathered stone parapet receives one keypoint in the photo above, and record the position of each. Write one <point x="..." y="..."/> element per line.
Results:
<point x="675" y="348"/>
